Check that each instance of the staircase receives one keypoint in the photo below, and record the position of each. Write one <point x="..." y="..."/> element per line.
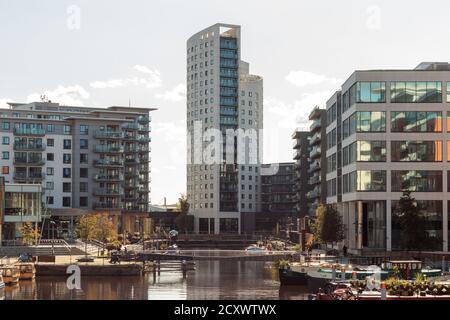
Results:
<point x="46" y="247"/>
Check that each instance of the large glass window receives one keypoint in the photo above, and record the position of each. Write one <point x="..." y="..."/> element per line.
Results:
<point x="368" y="121"/>
<point x="426" y="151"/>
<point x="349" y="182"/>
<point x="349" y="154"/>
<point x="416" y="92"/>
<point x="374" y="180"/>
<point x="370" y="92"/>
<point x="371" y="151"/>
<point x="416" y="121"/>
<point x="416" y="181"/>
<point x="432" y="212"/>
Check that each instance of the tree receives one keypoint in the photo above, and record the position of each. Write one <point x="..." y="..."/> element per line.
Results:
<point x="328" y="227"/>
<point x="86" y="229"/>
<point x="184" y="221"/>
<point x="408" y="215"/>
<point x="29" y="233"/>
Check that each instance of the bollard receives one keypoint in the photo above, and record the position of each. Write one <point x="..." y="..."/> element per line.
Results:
<point x="383" y="291"/>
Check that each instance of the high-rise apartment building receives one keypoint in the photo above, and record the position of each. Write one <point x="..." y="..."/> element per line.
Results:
<point x="391" y="135"/>
<point x="302" y="166"/>
<point x="224" y="118"/>
<point x="86" y="159"/>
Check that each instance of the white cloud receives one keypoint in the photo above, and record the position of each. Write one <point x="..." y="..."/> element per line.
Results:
<point x="152" y="79"/>
<point x="304" y="78"/>
<point x="296" y="114"/>
<point x="4" y="102"/>
<point x="176" y="94"/>
<point x="70" y="95"/>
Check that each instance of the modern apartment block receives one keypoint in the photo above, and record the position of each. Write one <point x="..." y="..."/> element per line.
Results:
<point x="86" y="160"/>
<point x="223" y="99"/>
<point x="302" y="166"/>
<point x="317" y="160"/>
<point x="391" y="135"/>
<point x="277" y="193"/>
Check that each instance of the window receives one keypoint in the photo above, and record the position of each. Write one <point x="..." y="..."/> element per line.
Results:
<point x="5" y="155"/>
<point x="83" y="144"/>
<point x="331" y="188"/>
<point x="416" y="121"/>
<point x="66" y="201"/>
<point x="331" y="114"/>
<point x="448" y="91"/>
<point x="67" y="172"/>
<point x="416" y="151"/>
<point x="83" y="158"/>
<point x="374" y="180"/>
<point x="83" y="187"/>
<point x="84" y="129"/>
<point x="83" y="172"/>
<point x="5" y="170"/>
<point x="331" y="139"/>
<point x="349" y="126"/>
<point x="50" y="171"/>
<point x="50" y="200"/>
<point x="49" y="185"/>
<point x="67" y="129"/>
<point x="67" y="144"/>
<point x="50" y="127"/>
<point x="371" y="121"/>
<point x="5" y="140"/>
<point x="67" y="187"/>
<point x="349" y="182"/>
<point x="371" y="151"/>
<point x="372" y="92"/>
<point x="416" y="92"/>
<point x="331" y="163"/>
<point x="83" y="201"/>
<point x="67" y="158"/>
<point x="50" y="157"/>
<point x="416" y="181"/>
<point x="5" y="126"/>
<point x="349" y="154"/>
<point x="50" y="142"/>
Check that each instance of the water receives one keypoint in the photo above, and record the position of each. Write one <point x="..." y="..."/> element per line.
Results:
<point x="222" y="280"/>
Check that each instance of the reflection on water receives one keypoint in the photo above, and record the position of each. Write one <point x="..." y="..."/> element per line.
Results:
<point x="228" y="280"/>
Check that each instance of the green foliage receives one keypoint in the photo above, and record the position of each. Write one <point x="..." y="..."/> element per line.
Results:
<point x="328" y="227"/>
<point x="184" y="221"/>
<point x="409" y="216"/>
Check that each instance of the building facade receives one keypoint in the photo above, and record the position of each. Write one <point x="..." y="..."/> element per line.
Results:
<point x="317" y="160"/>
<point x="224" y="118"/>
<point x="302" y="171"/>
<point x="86" y="160"/>
<point x="391" y="135"/>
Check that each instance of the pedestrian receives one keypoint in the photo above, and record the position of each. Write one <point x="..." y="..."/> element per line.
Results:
<point x="344" y="250"/>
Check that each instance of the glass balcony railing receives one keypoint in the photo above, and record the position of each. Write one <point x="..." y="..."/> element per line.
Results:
<point x="143" y="119"/>
<point x="29" y="161"/>
<point x="104" y="192"/>
<point x="104" y="177"/>
<point x="130" y="126"/>
<point x="29" y="147"/>
<point x="108" y="163"/>
<point x="108" y="149"/>
<point x="107" y="205"/>
<point x="144" y="139"/>
<point x="29" y="176"/>
<point x="29" y="132"/>
<point x="108" y="134"/>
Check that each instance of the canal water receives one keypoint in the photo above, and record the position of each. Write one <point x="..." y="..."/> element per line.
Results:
<point x="225" y="280"/>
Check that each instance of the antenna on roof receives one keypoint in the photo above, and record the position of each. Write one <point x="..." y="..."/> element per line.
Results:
<point x="129" y="102"/>
<point x="44" y="98"/>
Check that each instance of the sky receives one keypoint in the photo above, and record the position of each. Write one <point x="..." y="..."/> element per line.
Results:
<point x="102" y="53"/>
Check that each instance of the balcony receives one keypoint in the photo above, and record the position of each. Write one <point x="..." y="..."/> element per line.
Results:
<point x="296" y="144"/>
<point x="130" y="186"/>
<point x="104" y="192"/>
<point x="144" y="139"/>
<point x="143" y="190"/>
<point x="315" y="139"/>
<point x="29" y="176"/>
<point x="142" y="128"/>
<point x="144" y="170"/>
<point x="29" y="161"/>
<point x="108" y="163"/>
<point x="108" y="178"/>
<point x="130" y="126"/>
<point x="314" y="180"/>
<point x="28" y="147"/>
<point x="130" y="174"/>
<point x="107" y="205"/>
<point x="108" y="134"/>
<point x="315" y="152"/>
<point x="315" y="193"/>
<point x="108" y="149"/>
<point x="142" y="201"/>
<point x="29" y="132"/>
<point x="130" y="149"/>
<point x="316" y="124"/>
<point x="143" y="149"/>
<point x="130" y="137"/>
<point x="297" y="155"/>
<point x="143" y="119"/>
<point x="131" y="161"/>
<point x="314" y="166"/>
<point x="315" y="113"/>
